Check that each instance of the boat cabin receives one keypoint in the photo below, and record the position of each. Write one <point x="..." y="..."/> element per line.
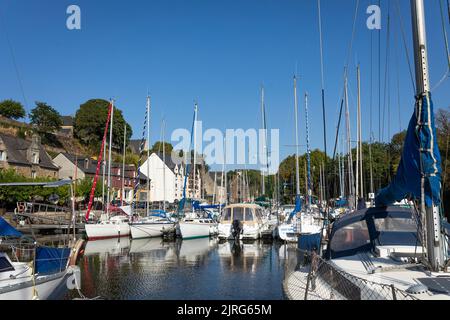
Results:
<point x="245" y="213"/>
<point x="374" y="229"/>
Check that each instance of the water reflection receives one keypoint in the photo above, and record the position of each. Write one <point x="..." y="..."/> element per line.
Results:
<point x="201" y="269"/>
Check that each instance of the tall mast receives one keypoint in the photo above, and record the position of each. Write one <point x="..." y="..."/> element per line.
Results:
<point x="297" y="166"/>
<point x="361" y="176"/>
<point x="263" y="182"/>
<point x="123" y="162"/>
<point x="349" y="149"/>
<point x="195" y="153"/>
<point x="308" y="152"/>
<point x="104" y="175"/>
<point x="148" y="155"/>
<point x="164" y="165"/>
<point x="431" y="214"/>
<point x="109" y="159"/>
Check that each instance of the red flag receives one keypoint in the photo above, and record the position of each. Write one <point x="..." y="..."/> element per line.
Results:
<point x="94" y="185"/>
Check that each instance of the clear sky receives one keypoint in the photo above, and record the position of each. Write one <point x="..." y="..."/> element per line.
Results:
<point x="218" y="52"/>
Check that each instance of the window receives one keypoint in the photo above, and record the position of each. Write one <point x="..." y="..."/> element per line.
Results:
<point x="238" y="214"/>
<point x="35" y="158"/>
<point x="248" y="214"/>
<point x="351" y="237"/>
<point x="227" y="215"/>
<point x="5" y="265"/>
<point x="397" y="231"/>
<point x="33" y="174"/>
<point x="2" y="155"/>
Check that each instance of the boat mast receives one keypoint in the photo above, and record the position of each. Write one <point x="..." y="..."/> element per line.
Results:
<point x="109" y="159"/>
<point x="164" y="164"/>
<point x="263" y="182"/>
<point x="349" y="149"/>
<point x="148" y="155"/>
<point x="123" y="162"/>
<point x="195" y="152"/>
<point x="308" y="153"/>
<point x="297" y="165"/>
<point x="431" y="214"/>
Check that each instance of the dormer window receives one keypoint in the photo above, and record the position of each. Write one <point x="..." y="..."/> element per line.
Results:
<point x="86" y="163"/>
<point x="35" y="158"/>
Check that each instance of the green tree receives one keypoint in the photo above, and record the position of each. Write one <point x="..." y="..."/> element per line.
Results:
<point x="45" y="118"/>
<point x="158" y="148"/>
<point x="12" y="109"/>
<point x="90" y="121"/>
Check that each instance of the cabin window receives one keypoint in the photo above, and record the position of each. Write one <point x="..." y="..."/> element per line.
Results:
<point x="248" y="214"/>
<point x="227" y="215"/>
<point x="397" y="231"/>
<point x="5" y="265"/>
<point x="351" y="237"/>
<point x="238" y="214"/>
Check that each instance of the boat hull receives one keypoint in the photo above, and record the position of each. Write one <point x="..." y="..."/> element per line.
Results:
<point x="193" y="230"/>
<point x="148" y="230"/>
<point x="107" y="231"/>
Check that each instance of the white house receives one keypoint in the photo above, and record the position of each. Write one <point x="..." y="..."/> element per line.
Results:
<point x="167" y="179"/>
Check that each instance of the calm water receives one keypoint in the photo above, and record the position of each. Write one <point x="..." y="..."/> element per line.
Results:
<point x="202" y="269"/>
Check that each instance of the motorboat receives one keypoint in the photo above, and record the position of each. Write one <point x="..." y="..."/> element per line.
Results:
<point x="242" y="221"/>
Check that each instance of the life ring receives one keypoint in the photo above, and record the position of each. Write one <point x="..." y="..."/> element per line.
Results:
<point x="21" y="208"/>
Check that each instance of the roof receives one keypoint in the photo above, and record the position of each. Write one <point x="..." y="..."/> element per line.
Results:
<point x="168" y="160"/>
<point x="92" y="164"/>
<point x="17" y="152"/>
<point x="67" y="121"/>
<point x="135" y="145"/>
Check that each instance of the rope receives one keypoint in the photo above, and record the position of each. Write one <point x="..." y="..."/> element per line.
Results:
<point x="444" y="31"/>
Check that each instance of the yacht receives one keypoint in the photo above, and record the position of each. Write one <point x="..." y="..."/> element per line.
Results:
<point x="242" y="221"/>
<point x="114" y="227"/>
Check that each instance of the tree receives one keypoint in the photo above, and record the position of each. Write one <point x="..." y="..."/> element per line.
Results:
<point x="45" y="118"/>
<point x="90" y="121"/>
<point x="12" y="109"/>
<point x="158" y="148"/>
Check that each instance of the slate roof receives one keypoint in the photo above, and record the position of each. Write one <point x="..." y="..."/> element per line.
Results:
<point x="92" y="165"/>
<point x="16" y="149"/>
<point x="67" y="121"/>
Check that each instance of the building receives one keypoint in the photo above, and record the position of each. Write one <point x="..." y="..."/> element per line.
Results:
<point x="80" y="167"/>
<point x="214" y="188"/>
<point x="27" y="158"/>
<point x="135" y="145"/>
<point x="67" y="126"/>
<point x="167" y="179"/>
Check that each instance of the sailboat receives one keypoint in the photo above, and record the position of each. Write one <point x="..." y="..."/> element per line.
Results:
<point x="153" y="224"/>
<point x="195" y="223"/>
<point x="389" y="252"/>
<point x="49" y="267"/>
<point x="288" y="230"/>
<point x="109" y="226"/>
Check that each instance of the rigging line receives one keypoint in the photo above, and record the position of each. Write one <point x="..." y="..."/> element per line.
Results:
<point x="402" y="28"/>
<point x="397" y="62"/>
<point x="13" y="57"/>
<point x="386" y="69"/>
<point x="379" y="79"/>
<point x="444" y="32"/>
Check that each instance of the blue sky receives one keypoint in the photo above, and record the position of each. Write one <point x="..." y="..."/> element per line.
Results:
<point x="218" y="52"/>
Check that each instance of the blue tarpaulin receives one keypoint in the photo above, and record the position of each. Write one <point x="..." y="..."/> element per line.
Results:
<point x="6" y="230"/>
<point x="51" y="260"/>
<point x="297" y="209"/>
<point x="309" y="242"/>
<point x="420" y="155"/>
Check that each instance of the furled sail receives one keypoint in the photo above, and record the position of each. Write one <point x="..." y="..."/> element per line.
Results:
<point x="297" y="209"/>
<point x="420" y="156"/>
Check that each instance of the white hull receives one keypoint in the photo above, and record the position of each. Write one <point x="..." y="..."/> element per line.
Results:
<point x="106" y="231"/>
<point x="287" y="232"/>
<point x="190" y="230"/>
<point x="23" y="289"/>
<point x="149" y="230"/>
<point x="249" y="233"/>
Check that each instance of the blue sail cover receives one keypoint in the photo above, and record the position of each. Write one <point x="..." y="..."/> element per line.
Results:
<point x="420" y="154"/>
<point x="297" y="209"/>
<point x="6" y="230"/>
<point x="51" y="260"/>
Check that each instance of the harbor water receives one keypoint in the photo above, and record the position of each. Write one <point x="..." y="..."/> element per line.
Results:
<point x="198" y="269"/>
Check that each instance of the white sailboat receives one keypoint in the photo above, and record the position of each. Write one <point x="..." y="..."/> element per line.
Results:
<point x="195" y="224"/>
<point x="108" y="227"/>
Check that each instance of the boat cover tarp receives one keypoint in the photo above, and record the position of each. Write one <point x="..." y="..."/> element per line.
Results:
<point x="297" y="209"/>
<point x="51" y="260"/>
<point x="341" y="202"/>
<point x="309" y="242"/>
<point x="421" y="135"/>
<point x="6" y="230"/>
